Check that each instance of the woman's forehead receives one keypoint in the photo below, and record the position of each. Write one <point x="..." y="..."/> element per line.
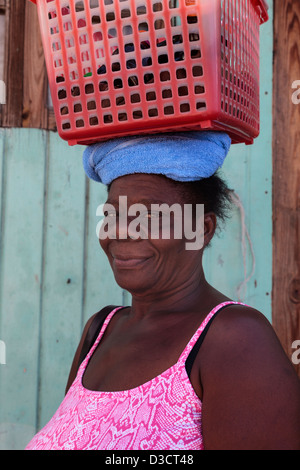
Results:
<point x="145" y="186"/>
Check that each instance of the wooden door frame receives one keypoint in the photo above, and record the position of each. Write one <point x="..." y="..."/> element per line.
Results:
<point x="25" y="74"/>
<point x="286" y="176"/>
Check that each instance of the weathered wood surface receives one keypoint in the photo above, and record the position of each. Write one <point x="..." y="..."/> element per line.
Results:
<point x="14" y="63"/>
<point x="286" y="176"/>
<point x="53" y="275"/>
<point x="35" y="111"/>
<point x="24" y="71"/>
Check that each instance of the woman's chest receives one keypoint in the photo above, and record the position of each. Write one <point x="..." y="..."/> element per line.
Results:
<point x="128" y="359"/>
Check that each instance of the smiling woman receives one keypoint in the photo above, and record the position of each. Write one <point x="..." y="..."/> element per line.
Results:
<point x="184" y="366"/>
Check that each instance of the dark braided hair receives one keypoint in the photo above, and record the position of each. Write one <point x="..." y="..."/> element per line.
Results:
<point x="213" y="192"/>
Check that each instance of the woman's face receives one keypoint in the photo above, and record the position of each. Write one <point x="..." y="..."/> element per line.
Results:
<point x="149" y="263"/>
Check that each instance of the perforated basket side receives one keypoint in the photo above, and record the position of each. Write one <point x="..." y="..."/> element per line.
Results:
<point x="240" y="64"/>
<point x="136" y="66"/>
<point x="166" y="83"/>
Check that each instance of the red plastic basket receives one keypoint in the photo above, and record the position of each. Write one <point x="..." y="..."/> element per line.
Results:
<point x="122" y="67"/>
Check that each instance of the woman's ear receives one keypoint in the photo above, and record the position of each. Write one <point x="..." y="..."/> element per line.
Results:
<point x="210" y="224"/>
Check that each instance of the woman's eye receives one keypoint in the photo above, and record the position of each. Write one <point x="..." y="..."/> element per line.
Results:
<point x="151" y="215"/>
<point x="110" y="214"/>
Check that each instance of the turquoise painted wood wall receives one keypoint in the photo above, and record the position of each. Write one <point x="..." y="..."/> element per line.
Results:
<point x="53" y="275"/>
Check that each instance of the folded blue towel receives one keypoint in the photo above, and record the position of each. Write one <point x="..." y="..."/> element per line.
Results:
<point x="182" y="156"/>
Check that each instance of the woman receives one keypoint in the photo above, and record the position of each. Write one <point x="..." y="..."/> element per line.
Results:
<point x="150" y="380"/>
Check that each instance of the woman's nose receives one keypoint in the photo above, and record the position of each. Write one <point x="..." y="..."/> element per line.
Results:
<point x="130" y="229"/>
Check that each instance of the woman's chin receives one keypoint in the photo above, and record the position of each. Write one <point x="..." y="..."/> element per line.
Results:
<point x="133" y="284"/>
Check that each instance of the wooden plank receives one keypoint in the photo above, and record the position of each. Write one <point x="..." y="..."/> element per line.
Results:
<point x="2" y="44"/>
<point x="20" y="275"/>
<point x="2" y="6"/>
<point x="35" y="76"/>
<point x="2" y="181"/>
<point x="51" y="125"/>
<point x="24" y="72"/>
<point x="286" y="178"/>
<point x="62" y="288"/>
<point x="77" y="277"/>
<point x="14" y="63"/>
<point x="2" y="199"/>
<point x="3" y="39"/>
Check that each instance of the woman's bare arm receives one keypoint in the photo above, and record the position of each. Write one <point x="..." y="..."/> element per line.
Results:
<point x="251" y="393"/>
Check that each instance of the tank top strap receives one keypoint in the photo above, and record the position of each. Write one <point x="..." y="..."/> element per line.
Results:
<point x="84" y="363"/>
<point x="202" y="330"/>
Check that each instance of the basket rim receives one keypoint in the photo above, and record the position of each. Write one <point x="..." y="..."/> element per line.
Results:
<point x="262" y="5"/>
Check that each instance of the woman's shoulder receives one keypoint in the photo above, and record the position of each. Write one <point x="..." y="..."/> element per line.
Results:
<point x="241" y="343"/>
<point x="240" y="315"/>
<point x="247" y="381"/>
<point x="242" y="329"/>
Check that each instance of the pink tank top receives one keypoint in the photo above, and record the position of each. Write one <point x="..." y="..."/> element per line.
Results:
<point x="162" y="414"/>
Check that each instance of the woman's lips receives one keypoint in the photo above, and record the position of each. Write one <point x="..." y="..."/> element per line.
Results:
<point x="124" y="262"/>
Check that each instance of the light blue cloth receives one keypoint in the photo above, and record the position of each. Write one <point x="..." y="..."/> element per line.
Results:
<point x="182" y="156"/>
